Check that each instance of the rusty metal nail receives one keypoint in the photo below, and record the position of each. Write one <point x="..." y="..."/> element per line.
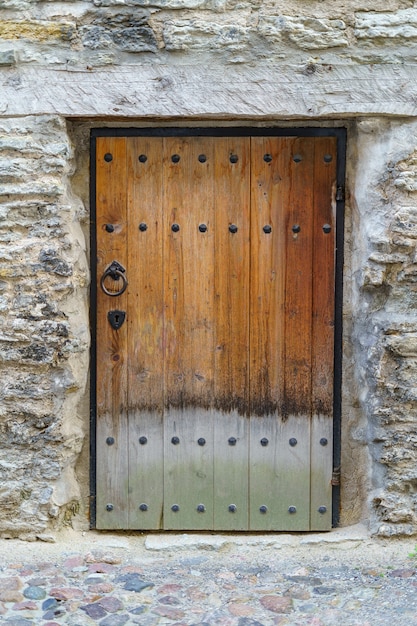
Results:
<point x="108" y="157"/>
<point x="293" y="442"/>
<point x="110" y="441"/>
<point x="143" y="440"/>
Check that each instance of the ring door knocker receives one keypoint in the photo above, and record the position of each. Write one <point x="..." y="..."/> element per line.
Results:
<point x="116" y="272"/>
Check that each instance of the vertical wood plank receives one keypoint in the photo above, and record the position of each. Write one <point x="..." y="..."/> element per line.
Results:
<point x="231" y="388"/>
<point x="111" y="429"/>
<point x="145" y="326"/>
<point x="280" y="332"/>
<point x="189" y="306"/>
<point x="323" y="332"/>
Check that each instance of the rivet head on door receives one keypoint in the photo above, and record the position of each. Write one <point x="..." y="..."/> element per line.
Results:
<point x="296" y="228"/>
<point x="293" y="442"/>
<point x="175" y="440"/>
<point x="143" y="507"/>
<point x="264" y="442"/>
<point x="108" y="157"/>
<point x="263" y="508"/>
<point x="142" y="158"/>
<point x="109" y="228"/>
<point x="327" y="158"/>
<point x="175" y="158"/>
<point x="267" y="158"/>
<point x="202" y="228"/>
<point x="292" y="509"/>
<point x="232" y="441"/>
<point x="202" y="158"/>
<point x="110" y="441"/>
<point x="297" y="158"/>
<point x="201" y="441"/>
<point x="327" y="228"/>
<point x="267" y="229"/>
<point x="175" y="508"/>
<point x="175" y="228"/>
<point x="323" y="441"/>
<point x="233" y="158"/>
<point x="232" y="508"/>
<point x="143" y="227"/>
<point x="322" y="510"/>
<point x="201" y="508"/>
<point x="143" y="441"/>
<point x="109" y="507"/>
<point x="233" y="228"/>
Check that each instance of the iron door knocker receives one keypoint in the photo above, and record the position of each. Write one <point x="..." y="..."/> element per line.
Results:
<point x="115" y="271"/>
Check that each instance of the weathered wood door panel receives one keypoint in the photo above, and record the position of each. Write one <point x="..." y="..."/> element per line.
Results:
<point x="214" y="397"/>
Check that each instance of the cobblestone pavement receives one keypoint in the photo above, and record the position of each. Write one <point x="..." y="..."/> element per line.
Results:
<point x="185" y="580"/>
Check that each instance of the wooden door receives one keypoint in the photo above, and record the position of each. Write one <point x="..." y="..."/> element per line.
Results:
<point x="215" y="332"/>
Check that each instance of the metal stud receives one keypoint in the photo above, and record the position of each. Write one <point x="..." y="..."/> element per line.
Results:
<point x="109" y="228"/>
<point x="108" y="157"/>
<point x="327" y="158"/>
<point x="264" y="442"/>
<point x="202" y="228"/>
<point x="142" y="158"/>
<point x="232" y="441"/>
<point x="175" y="158"/>
<point x="143" y="441"/>
<point x="293" y="442"/>
<point x="109" y="507"/>
<point x="232" y="508"/>
<point x="296" y="228"/>
<point x="267" y="229"/>
<point x="234" y="158"/>
<point x="143" y="507"/>
<point x="110" y="441"/>
<point x="267" y="158"/>
<point x="233" y="228"/>
<point x="143" y="227"/>
<point x="175" y="440"/>
<point x="323" y="441"/>
<point x="263" y="508"/>
<point x="202" y="158"/>
<point x="297" y="158"/>
<point x="322" y="509"/>
<point x="175" y="228"/>
<point x="201" y="441"/>
<point x="327" y="228"/>
<point x="201" y="508"/>
<point x="292" y="509"/>
<point x="175" y="508"/>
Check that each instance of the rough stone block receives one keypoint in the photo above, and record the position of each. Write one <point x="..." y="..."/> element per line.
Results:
<point x="307" y="33"/>
<point x="396" y="26"/>
<point x="199" y="34"/>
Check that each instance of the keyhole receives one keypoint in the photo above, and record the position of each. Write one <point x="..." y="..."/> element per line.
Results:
<point x="116" y="318"/>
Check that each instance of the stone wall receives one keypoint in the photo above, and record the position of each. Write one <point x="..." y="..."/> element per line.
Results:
<point x="135" y="62"/>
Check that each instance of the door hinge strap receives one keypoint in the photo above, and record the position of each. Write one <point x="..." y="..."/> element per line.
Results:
<point x="336" y="477"/>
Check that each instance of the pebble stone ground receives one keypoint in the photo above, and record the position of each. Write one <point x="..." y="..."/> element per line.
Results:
<point x="342" y="578"/>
